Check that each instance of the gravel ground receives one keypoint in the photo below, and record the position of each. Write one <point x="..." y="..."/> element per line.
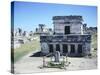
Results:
<point x="31" y="64"/>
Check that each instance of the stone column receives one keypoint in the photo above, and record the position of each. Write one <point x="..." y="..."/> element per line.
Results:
<point x="61" y="49"/>
<point x="44" y="62"/>
<point x="68" y="48"/>
<point x="54" y="47"/>
<point x="76" y="48"/>
<point x="57" y="56"/>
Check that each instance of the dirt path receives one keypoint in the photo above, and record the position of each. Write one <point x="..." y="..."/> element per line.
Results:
<point x="31" y="64"/>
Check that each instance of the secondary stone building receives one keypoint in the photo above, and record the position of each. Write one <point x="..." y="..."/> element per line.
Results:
<point x="68" y="37"/>
<point x="42" y="30"/>
<point x="91" y="30"/>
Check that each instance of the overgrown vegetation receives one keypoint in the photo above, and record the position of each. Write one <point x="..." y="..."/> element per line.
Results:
<point x="60" y="65"/>
<point x="94" y="44"/>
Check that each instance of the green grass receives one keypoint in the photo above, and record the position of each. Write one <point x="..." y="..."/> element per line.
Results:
<point x="94" y="40"/>
<point x="94" y="45"/>
<point x="52" y="65"/>
<point x="25" y="49"/>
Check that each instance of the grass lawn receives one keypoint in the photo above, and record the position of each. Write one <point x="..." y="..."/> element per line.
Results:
<point x="94" y="44"/>
<point x="25" y="49"/>
<point x="94" y="40"/>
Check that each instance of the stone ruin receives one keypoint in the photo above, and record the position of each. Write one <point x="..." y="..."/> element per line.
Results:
<point x="57" y="61"/>
<point x="69" y="37"/>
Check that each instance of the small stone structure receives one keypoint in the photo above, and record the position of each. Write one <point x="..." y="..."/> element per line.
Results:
<point x="57" y="56"/>
<point x="91" y="30"/>
<point x="68" y="38"/>
<point x="20" y="37"/>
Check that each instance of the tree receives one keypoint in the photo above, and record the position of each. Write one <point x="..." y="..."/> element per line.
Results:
<point x="20" y="31"/>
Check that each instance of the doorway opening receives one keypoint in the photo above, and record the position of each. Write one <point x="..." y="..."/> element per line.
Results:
<point x="57" y="47"/>
<point x="79" y="48"/>
<point x="51" y="48"/>
<point x="67" y="29"/>
<point x="65" y="48"/>
<point x="72" y="49"/>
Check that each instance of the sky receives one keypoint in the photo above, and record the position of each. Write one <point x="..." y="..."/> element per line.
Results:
<point x="27" y="15"/>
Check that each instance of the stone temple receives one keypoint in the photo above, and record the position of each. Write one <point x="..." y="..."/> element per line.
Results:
<point x="68" y="38"/>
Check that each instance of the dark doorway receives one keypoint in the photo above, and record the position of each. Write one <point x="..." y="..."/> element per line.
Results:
<point x="50" y="48"/>
<point x="72" y="49"/>
<point x="65" y="48"/>
<point x="57" y="47"/>
<point x="79" y="48"/>
<point x="67" y="29"/>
